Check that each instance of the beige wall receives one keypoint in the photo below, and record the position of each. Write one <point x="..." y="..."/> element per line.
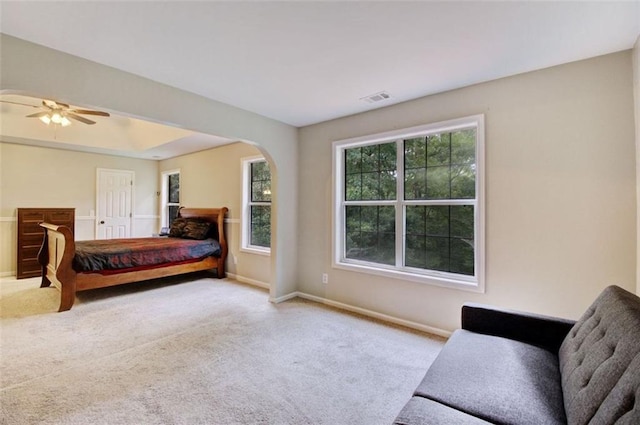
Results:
<point x="83" y="82"/>
<point x="213" y="178"/>
<point x="42" y="177"/>
<point x="636" y="96"/>
<point x="560" y="194"/>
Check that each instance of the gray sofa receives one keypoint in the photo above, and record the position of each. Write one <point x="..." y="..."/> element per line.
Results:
<point x="506" y="367"/>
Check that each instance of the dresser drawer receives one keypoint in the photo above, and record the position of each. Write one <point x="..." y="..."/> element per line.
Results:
<point x="29" y="240"/>
<point x="30" y="252"/>
<point x="63" y="217"/>
<point x="30" y="268"/>
<point x="31" y="228"/>
<point x="30" y="235"/>
<point x="31" y="215"/>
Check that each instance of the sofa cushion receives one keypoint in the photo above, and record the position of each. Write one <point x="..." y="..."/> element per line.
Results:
<point x="422" y="411"/>
<point x="496" y="379"/>
<point x="600" y="362"/>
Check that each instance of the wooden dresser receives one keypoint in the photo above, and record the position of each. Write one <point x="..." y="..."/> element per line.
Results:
<point x="30" y="235"/>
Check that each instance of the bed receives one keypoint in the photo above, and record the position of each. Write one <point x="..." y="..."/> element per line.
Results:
<point x="131" y="260"/>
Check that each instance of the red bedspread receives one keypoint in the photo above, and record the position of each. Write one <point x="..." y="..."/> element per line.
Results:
<point x="116" y="254"/>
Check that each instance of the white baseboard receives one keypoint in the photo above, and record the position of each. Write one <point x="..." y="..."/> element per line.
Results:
<point x="248" y="280"/>
<point x="7" y="274"/>
<point x="375" y="315"/>
<point x="284" y="298"/>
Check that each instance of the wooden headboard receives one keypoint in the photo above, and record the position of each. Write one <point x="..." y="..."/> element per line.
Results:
<point x="212" y="215"/>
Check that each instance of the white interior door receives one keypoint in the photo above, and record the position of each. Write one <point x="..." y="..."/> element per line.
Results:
<point x="114" y="203"/>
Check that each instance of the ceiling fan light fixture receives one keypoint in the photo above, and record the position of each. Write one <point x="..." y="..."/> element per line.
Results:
<point x="56" y="117"/>
<point x="65" y="121"/>
<point x="45" y="119"/>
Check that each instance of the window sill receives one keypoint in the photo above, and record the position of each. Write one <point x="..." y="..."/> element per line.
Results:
<point x="255" y="250"/>
<point x="469" y="286"/>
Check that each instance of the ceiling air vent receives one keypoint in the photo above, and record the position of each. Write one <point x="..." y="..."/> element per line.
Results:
<point x="376" y="97"/>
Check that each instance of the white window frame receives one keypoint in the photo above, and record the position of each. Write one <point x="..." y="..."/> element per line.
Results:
<point x="473" y="283"/>
<point x="164" y="196"/>
<point x="245" y="245"/>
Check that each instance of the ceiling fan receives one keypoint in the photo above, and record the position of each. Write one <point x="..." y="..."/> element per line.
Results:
<point x="60" y="113"/>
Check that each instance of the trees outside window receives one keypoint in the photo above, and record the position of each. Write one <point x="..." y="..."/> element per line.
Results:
<point x="256" y="229"/>
<point x="170" y="197"/>
<point x="410" y="203"/>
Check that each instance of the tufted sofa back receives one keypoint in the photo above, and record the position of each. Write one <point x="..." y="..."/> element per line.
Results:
<point x="600" y="362"/>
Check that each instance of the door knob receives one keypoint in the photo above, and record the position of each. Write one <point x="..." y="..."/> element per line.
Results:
<point x="101" y="221"/>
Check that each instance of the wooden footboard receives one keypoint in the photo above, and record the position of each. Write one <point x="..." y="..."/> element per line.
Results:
<point x="58" y="250"/>
<point x="56" y="257"/>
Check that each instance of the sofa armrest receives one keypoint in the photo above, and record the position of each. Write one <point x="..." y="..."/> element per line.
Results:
<point x="542" y="331"/>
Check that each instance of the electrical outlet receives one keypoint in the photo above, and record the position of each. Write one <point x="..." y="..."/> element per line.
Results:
<point x="325" y="278"/>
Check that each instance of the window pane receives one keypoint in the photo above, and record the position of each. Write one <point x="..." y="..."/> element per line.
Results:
<point x="261" y="191"/>
<point x="370" y="158"/>
<point x="440" y="238"/>
<point x="462" y="221"/>
<point x="260" y="182"/>
<point x="173" y="213"/>
<point x="441" y="166"/>
<point x="261" y="225"/>
<point x="415" y="253"/>
<point x="387" y="185"/>
<point x="371" y="172"/>
<point x="437" y="221"/>
<point x="415" y="153"/>
<point x="388" y="155"/>
<point x="438" y="182"/>
<point x="438" y="149"/>
<point x="353" y="161"/>
<point x="353" y="187"/>
<point x="174" y="188"/>
<point x="260" y="171"/>
<point x="462" y="256"/>
<point x="370" y="186"/>
<point x="463" y="182"/>
<point x="463" y="147"/>
<point x="437" y="251"/>
<point x="370" y="233"/>
<point x="415" y="183"/>
<point x="416" y="222"/>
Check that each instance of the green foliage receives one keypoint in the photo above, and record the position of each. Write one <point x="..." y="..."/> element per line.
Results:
<point x="174" y="188"/>
<point x="260" y="182"/>
<point x="436" y="167"/>
<point x="173" y="213"/>
<point x="260" y="214"/>
<point x="440" y="238"/>
<point x="260" y="225"/>
<point x="440" y="166"/>
<point x="370" y="233"/>
<point x="371" y="172"/>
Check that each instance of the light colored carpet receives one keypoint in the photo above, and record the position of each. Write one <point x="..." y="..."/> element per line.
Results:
<point x="197" y="350"/>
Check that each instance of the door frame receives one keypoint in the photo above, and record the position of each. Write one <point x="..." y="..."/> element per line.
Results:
<point x="132" y="174"/>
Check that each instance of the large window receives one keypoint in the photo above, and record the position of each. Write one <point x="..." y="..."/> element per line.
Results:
<point x="256" y="223"/>
<point x="409" y="203"/>
<point x="170" y="197"/>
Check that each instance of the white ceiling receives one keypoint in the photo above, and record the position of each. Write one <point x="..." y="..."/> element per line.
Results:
<point x="306" y="62"/>
<point x="114" y="135"/>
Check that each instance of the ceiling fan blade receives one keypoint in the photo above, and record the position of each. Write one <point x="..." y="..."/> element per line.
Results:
<point x="52" y="104"/>
<point x="79" y="118"/>
<point x="37" y="115"/>
<point x="90" y="112"/>
<point x="18" y="103"/>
